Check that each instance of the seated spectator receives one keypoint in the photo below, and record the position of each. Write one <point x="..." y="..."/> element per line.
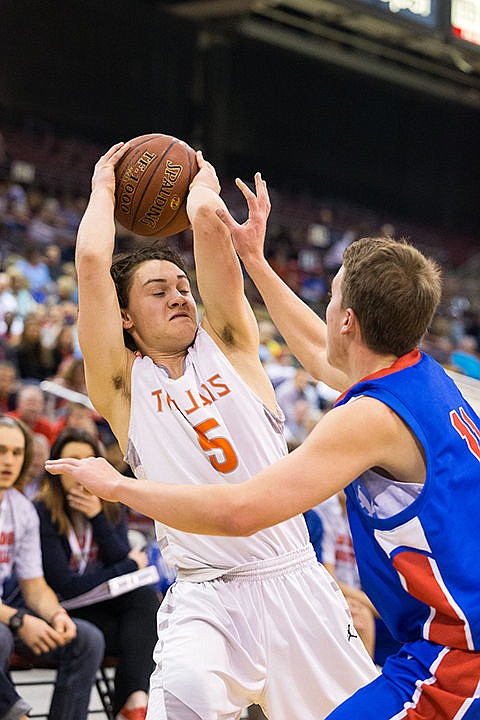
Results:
<point x="45" y="225"/>
<point x="67" y="289"/>
<point x="75" y="415"/>
<point x="7" y="351"/>
<point x="34" y="359"/>
<point x="8" y="386"/>
<point x="30" y="483"/>
<point x="35" y="270"/>
<point x="71" y="374"/>
<point x="21" y="298"/>
<point x="30" y="410"/>
<point x="11" y="327"/>
<point x="53" y="261"/>
<point x="63" y="348"/>
<point x="41" y="628"/>
<point x="300" y="402"/>
<point x="85" y="543"/>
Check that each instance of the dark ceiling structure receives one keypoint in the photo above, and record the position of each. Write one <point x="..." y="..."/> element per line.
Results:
<point x="409" y="42"/>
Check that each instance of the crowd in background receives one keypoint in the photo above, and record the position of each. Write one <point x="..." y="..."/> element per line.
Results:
<point x="306" y="237"/>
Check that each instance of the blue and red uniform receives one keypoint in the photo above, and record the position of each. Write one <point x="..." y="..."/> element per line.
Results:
<point x="418" y="549"/>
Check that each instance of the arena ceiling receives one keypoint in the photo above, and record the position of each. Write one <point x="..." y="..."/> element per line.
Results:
<point x="362" y="35"/>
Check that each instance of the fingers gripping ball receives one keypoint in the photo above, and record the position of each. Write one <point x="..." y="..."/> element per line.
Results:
<point x="151" y="185"/>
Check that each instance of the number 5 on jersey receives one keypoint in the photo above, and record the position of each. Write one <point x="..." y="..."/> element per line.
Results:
<point x="220" y="453"/>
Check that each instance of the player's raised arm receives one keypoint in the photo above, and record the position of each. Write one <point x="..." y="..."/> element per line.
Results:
<point x="302" y="329"/>
<point x="100" y="321"/>
<point x="219" y="274"/>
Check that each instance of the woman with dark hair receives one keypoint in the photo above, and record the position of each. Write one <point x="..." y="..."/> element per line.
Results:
<point x="85" y="543"/>
<point x="42" y="627"/>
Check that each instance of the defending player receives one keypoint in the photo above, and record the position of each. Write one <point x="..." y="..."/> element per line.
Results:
<point x="402" y="440"/>
<point x="197" y="408"/>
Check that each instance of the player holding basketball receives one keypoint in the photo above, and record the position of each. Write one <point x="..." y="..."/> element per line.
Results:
<point x="250" y="620"/>
<point x="402" y="440"/>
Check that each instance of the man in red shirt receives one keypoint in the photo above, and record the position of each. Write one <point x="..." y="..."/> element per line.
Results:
<point x="30" y="409"/>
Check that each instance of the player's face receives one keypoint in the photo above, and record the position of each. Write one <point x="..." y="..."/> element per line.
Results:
<point x="12" y="454"/>
<point x="335" y="318"/>
<point x="79" y="451"/>
<point x="161" y="313"/>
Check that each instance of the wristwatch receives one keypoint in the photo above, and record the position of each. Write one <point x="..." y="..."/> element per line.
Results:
<point x="16" y="621"/>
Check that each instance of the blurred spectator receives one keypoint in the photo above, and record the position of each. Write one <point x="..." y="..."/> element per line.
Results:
<point x="11" y="327"/>
<point x="20" y="291"/>
<point x="67" y="289"/>
<point x="30" y="483"/>
<point x="439" y="347"/>
<point x="35" y="270"/>
<point x="465" y="358"/>
<point x="79" y="417"/>
<point x="34" y="359"/>
<point x="334" y="256"/>
<point x="53" y="261"/>
<point x="63" y="349"/>
<point x="269" y="340"/>
<point x="85" y="543"/>
<point x="30" y="410"/>
<point x="472" y="325"/>
<point x="8" y="386"/>
<point x="71" y="374"/>
<point x="53" y="321"/>
<point x="43" y="229"/>
<point x="15" y="298"/>
<point x="7" y="351"/>
<point x="299" y="400"/>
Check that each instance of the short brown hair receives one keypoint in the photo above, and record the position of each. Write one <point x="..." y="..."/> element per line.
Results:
<point x="393" y="289"/>
<point x="124" y="266"/>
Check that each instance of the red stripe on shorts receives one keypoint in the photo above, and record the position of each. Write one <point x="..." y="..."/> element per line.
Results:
<point x="457" y="679"/>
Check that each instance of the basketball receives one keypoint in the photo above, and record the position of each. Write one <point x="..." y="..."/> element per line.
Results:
<point x="151" y="185"/>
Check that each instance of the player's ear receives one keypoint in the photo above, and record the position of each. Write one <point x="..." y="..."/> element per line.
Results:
<point x="127" y="322"/>
<point x="349" y="319"/>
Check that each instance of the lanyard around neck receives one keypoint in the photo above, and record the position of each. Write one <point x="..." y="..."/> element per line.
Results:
<point x="81" y="554"/>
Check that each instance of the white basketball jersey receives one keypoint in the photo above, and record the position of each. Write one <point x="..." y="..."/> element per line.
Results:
<point x="206" y="427"/>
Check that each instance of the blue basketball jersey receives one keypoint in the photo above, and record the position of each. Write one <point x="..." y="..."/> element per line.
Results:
<point x="418" y="546"/>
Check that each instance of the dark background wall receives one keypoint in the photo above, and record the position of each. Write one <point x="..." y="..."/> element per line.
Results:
<point x="112" y="70"/>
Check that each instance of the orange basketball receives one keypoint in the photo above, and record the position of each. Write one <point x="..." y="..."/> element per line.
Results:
<point x="152" y="181"/>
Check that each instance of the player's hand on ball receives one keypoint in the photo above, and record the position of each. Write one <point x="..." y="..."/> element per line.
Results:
<point x="94" y="474"/>
<point x="206" y="176"/>
<point x="248" y="238"/>
<point x="104" y="172"/>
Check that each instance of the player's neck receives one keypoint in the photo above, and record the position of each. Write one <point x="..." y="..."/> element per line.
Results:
<point x="174" y="363"/>
<point x="366" y="363"/>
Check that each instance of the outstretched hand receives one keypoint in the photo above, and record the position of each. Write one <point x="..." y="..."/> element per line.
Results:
<point x="248" y="238"/>
<point x="94" y="474"/>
